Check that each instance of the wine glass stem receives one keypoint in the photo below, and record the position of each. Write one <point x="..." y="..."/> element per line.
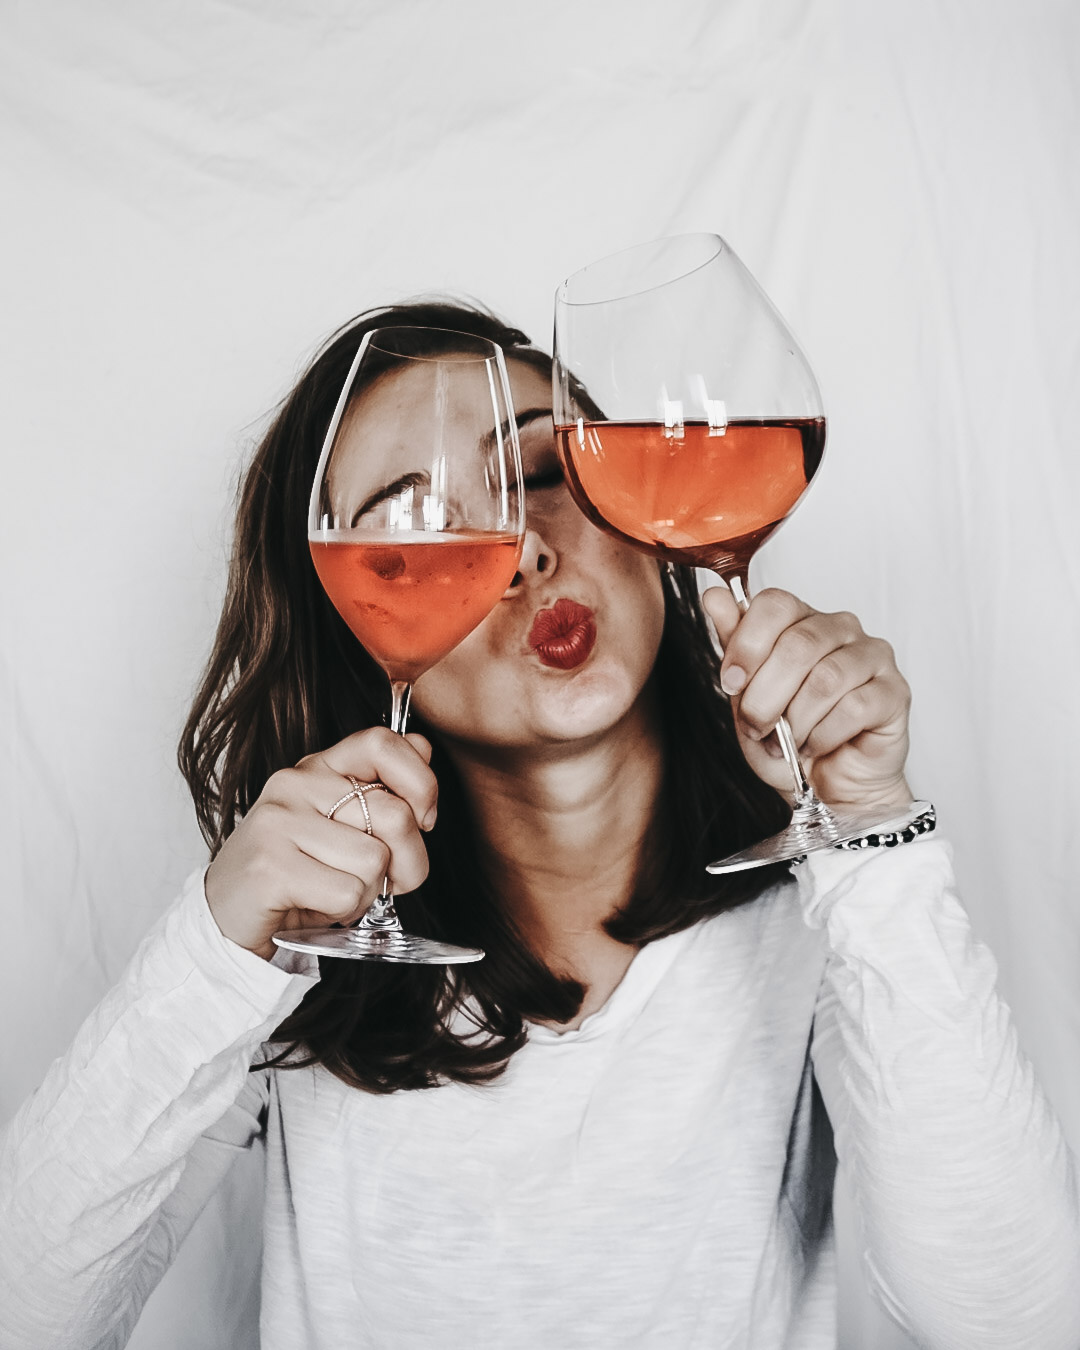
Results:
<point x="400" y="692"/>
<point x="382" y="916"/>
<point x="806" y="799"/>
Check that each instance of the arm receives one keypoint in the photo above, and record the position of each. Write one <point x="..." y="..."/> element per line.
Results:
<point x="963" y="1181"/>
<point x="964" y="1185"/>
<point x="105" y="1168"/>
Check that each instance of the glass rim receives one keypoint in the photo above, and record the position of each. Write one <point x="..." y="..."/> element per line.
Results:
<point x="561" y="296"/>
<point x="494" y="349"/>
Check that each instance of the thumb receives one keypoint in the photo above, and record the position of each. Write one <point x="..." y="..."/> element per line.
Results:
<point x="721" y="608"/>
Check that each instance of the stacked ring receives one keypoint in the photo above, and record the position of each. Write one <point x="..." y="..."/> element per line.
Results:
<point x="359" y="791"/>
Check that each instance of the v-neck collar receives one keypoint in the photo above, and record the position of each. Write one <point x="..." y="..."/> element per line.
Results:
<point x="626" y="1000"/>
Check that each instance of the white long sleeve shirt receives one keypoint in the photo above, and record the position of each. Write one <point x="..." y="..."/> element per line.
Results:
<point x="659" y="1177"/>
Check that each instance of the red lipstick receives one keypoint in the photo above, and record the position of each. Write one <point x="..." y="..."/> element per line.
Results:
<point x="564" y="635"/>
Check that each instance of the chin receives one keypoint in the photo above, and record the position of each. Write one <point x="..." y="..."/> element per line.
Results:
<point x="548" y="709"/>
<point x="586" y="705"/>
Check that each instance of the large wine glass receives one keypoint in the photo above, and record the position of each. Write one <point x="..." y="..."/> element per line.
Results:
<point x="415" y="525"/>
<point x="690" y="425"/>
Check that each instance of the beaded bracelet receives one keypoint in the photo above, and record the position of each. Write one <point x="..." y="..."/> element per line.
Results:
<point x="924" y="823"/>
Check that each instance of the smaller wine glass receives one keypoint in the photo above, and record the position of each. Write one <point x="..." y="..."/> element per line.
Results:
<point x="415" y="526"/>
<point x="690" y="426"/>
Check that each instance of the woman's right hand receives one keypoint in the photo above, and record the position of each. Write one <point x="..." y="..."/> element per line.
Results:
<point x="286" y="866"/>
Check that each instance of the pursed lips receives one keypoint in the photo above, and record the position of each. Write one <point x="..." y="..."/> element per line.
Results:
<point x="564" y="635"/>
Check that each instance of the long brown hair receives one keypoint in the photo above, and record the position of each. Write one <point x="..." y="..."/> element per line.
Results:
<point x="286" y="678"/>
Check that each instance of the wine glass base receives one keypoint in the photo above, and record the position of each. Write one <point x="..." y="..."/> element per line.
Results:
<point x="823" y="829"/>
<point x="358" y="944"/>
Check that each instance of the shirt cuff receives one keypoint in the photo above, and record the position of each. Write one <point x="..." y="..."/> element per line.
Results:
<point x="188" y="936"/>
<point x="872" y="881"/>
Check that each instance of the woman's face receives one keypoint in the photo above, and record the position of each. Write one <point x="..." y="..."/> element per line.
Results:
<point x="566" y="653"/>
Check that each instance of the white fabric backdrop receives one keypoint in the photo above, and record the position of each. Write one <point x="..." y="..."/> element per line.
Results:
<point x="197" y="193"/>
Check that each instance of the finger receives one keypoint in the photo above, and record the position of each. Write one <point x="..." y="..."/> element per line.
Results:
<point x="380" y="754"/>
<point x="395" y="847"/>
<point x="751" y="643"/>
<point x="838" y="672"/>
<point x="795" y="652"/>
<point x="420" y="744"/>
<point x="321" y="893"/>
<point x="872" y="717"/>
<point x="305" y="794"/>
<point x="721" y="608"/>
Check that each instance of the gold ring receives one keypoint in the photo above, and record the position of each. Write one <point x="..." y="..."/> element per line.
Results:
<point x="359" y="791"/>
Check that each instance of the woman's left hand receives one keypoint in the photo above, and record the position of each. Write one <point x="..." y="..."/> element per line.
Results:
<point x="844" y="698"/>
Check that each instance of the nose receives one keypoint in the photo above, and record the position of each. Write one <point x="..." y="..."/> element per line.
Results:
<point x="538" y="559"/>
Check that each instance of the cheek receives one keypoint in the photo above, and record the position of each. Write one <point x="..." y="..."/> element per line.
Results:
<point x="638" y="598"/>
<point x="454" y="694"/>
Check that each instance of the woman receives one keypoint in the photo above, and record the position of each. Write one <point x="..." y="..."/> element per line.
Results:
<point x="628" y="1137"/>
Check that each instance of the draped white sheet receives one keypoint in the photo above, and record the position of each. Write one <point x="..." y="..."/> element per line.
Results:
<point x="198" y="192"/>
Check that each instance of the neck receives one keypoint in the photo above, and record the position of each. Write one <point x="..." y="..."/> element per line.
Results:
<point x="565" y="829"/>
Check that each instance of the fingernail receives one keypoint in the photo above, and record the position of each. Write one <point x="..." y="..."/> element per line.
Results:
<point x="429" y="820"/>
<point x="732" y="679"/>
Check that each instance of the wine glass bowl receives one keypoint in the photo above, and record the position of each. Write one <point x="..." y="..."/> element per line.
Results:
<point x="690" y="425"/>
<point x="691" y="493"/>
<point x="689" y="422"/>
<point x="415" y="526"/>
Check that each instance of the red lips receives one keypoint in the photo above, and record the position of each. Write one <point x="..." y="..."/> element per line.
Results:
<point x="564" y="635"/>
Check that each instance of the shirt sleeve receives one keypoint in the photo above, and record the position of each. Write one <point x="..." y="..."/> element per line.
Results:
<point x="106" y="1167"/>
<point x="964" y="1186"/>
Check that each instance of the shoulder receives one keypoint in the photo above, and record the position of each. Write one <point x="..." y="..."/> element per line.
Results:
<point x="765" y="944"/>
<point x="771" y="928"/>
